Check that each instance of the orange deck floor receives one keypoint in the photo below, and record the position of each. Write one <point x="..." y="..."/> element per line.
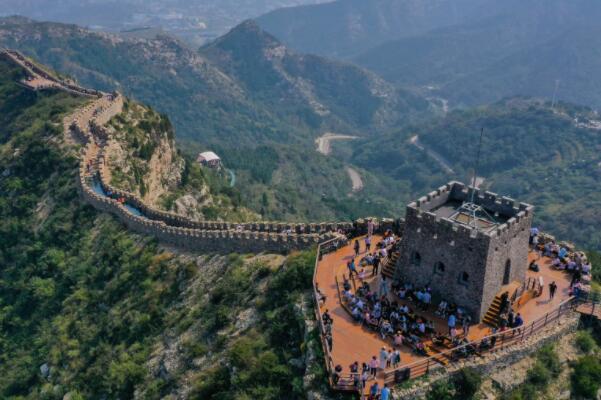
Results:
<point x="352" y="342"/>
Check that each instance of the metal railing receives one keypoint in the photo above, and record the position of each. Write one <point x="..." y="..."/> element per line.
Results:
<point x="488" y="344"/>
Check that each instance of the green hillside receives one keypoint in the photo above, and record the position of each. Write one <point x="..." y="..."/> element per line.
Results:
<point x="521" y="50"/>
<point x="245" y="91"/>
<point x="90" y="311"/>
<point x="547" y="157"/>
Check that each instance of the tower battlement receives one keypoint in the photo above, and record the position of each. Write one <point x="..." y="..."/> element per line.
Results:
<point x="465" y="244"/>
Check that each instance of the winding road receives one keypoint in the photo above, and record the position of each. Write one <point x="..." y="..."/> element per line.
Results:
<point x="439" y="159"/>
<point x="323" y="142"/>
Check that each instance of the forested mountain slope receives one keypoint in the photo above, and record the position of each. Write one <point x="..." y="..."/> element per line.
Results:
<point x="547" y="156"/>
<point x="270" y="102"/>
<point x="88" y="310"/>
<point x="345" y="28"/>
<point x="521" y="50"/>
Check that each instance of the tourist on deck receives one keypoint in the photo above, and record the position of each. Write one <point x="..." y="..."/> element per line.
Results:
<point x="451" y="322"/>
<point x="329" y="341"/>
<point x="398" y="339"/>
<point x="364" y="376"/>
<point x="517" y="323"/>
<point x="346" y="284"/>
<point x="357" y="247"/>
<point x="376" y="265"/>
<point x="326" y="317"/>
<point x="374" y="391"/>
<point x="362" y="275"/>
<point x="367" y="243"/>
<point x="352" y="268"/>
<point x="586" y="268"/>
<point x="373" y="366"/>
<point x="336" y="374"/>
<point x="426" y="299"/>
<point x="465" y="323"/>
<point x="442" y="309"/>
<point x="563" y="252"/>
<point x="383" y="357"/>
<point x="370" y="227"/>
<point x="383" y="290"/>
<point x="552" y="290"/>
<point x="396" y="360"/>
<point x="385" y="394"/>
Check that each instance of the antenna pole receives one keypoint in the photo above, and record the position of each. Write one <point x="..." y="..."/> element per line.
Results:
<point x="476" y="166"/>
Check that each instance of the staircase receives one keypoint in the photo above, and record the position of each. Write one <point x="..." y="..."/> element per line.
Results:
<point x="389" y="264"/>
<point x="492" y="315"/>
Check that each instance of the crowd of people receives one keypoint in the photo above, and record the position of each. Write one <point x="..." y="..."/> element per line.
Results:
<point x="573" y="262"/>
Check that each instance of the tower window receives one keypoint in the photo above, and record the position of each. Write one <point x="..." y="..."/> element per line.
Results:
<point x="465" y="277"/>
<point x="416" y="259"/>
<point x="439" y="267"/>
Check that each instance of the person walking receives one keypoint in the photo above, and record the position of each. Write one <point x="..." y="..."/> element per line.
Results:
<point x="383" y="358"/>
<point x="373" y="367"/>
<point x="357" y="247"/>
<point x="374" y="271"/>
<point x="351" y="268"/>
<point x="552" y="290"/>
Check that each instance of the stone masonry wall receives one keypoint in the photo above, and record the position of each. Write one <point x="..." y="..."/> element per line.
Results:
<point x="86" y="124"/>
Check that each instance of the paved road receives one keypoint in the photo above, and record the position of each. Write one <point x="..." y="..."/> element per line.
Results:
<point x="355" y="179"/>
<point x="323" y="142"/>
<point x="439" y="159"/>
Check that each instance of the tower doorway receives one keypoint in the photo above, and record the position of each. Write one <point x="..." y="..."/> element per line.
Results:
<point x="507" y="272"/>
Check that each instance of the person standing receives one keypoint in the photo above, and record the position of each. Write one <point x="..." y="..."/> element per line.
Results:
<point x="467" y="320"/>
<point x="385" y="393"/>
<point x="357" y="247"/>
<point x="367" y="243"/>
<point x="383" y="287"/>
<point x="373" y="367"/>
<point x="552" y="290"/>
<point x="451" y="322"/>
<point x="351" y="268"/>
<point x="376" y="265"/>
<point x="383" y="358"/>
<point x="370" y="227"/>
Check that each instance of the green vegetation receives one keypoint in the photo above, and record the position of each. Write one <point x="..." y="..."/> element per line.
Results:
<point x="530" y="152"/>
<point x="585" y="341"/>
<point x="463" y="385"/>
<point x="110" y="313"/>
<point x="546" y="368"/>
<point x="586" y="377"/>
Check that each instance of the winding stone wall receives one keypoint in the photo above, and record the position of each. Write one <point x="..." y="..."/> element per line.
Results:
<point x="87" y="126"/>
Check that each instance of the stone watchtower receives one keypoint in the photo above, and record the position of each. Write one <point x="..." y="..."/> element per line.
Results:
<point x="463" y="259"/>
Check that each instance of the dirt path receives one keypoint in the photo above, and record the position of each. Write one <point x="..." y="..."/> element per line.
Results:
<point x="323" y="142"/>
<point x="439" y="159"/>
<point x="355" y="179"/>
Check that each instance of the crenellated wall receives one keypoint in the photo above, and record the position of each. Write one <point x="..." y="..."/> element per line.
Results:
<point x="87" y="127"/>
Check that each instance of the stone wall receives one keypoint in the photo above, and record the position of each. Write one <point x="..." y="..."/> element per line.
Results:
<point x="462" y="264"/>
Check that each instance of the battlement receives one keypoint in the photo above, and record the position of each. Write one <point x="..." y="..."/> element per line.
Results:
<point x="498" y="215"/>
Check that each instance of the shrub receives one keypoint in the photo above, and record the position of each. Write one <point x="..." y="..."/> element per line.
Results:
<point x="467" y="382"/>
<point x="585" y="341"/>
<point x="539" y="375"/>
<point x="441" y="390"/>
<point x="586" y="377"/>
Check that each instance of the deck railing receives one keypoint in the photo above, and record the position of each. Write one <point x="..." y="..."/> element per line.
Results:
<point x="474" y="348"/>
<point x="482" y="346"/>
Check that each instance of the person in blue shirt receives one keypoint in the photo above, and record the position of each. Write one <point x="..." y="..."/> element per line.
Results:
<point x="385" y="394"/>
<point x="451" y="322"/>
<point x="374" y="390"/>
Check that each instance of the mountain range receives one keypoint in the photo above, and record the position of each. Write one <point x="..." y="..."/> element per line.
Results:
<point x="490" y="51"/>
